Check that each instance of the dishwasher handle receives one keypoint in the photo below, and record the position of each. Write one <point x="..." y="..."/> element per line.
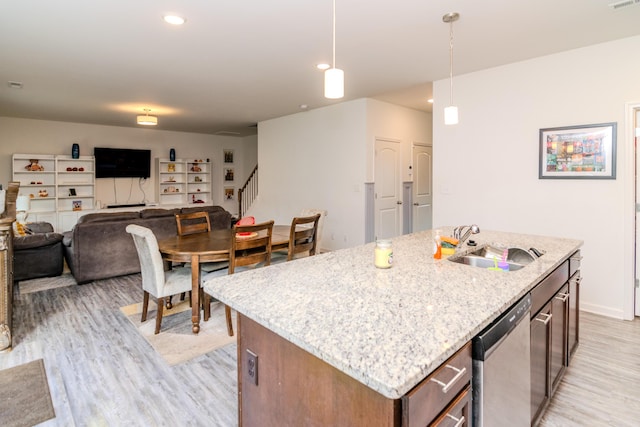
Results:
<point x="459" y="374"/>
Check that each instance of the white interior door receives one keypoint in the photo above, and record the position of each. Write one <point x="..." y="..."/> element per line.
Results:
<point x="387" y="189"/>
<point x="422" y="188"/>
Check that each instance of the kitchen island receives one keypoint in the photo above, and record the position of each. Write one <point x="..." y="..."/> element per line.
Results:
<point x="385" y="330"/>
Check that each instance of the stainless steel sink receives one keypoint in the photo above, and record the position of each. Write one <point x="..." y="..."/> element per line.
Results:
<point x="488" y="257"/>
<point x="482" y="262"/>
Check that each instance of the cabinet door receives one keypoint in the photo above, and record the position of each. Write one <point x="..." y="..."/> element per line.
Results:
<point x="540" y="362"/>
<point x="574" y="314"/>
<point x="559" y="321"/>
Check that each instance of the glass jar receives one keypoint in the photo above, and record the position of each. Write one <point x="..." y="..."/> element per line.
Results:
<point x="383" y="254"/>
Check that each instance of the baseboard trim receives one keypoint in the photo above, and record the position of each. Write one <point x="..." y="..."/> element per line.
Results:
<point x="602" y="310"/>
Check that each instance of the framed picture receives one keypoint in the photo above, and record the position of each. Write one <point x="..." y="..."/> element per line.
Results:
<point x="229" y="193"/>
<point x="228" y="156"/>
<point x="77" y="205"/>
<point x="578" y="152"/>
<point x="72" y="191"/>
<point x="228" y="174"/>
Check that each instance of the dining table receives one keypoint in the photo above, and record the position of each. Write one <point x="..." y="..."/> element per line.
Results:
<point x="209" y="246"/>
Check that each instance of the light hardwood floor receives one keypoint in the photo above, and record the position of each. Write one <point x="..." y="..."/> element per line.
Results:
<point x="102" y="373"/>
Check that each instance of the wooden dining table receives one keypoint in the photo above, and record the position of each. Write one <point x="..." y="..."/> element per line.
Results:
<point x="208" y="247"/>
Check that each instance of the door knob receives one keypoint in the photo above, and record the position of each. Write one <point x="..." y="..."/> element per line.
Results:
<point x="398" y="202"/>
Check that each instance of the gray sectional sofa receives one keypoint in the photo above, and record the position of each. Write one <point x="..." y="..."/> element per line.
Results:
<point x="98" y="247"/>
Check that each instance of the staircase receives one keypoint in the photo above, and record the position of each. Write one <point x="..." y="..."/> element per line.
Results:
<point x="248" y="193"/>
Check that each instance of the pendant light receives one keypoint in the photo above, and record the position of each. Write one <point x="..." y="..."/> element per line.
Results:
<point x="334" y="77"/>
<point x="451" y="112"/>
<point x="147" y="120"/>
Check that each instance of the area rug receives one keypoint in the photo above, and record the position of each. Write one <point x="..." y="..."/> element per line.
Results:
<point x="45" y="283"/>
<point x="176" y="343"/>
<point x="24" y="395"/>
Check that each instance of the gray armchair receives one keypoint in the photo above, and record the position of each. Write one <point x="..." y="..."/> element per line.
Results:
<point x="39" y="254"/>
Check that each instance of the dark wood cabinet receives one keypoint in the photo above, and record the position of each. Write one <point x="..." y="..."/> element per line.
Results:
<point x="554" y="331"/>
<point x="540" y="361"/>
<point x="559" y="331"/>
<point x="281" y="384"/>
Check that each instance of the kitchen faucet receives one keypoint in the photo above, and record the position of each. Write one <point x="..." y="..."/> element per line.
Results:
<point x="458" y="233"/>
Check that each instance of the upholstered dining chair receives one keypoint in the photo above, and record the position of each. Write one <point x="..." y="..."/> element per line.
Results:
<point x="155" y="281"/>
<point x="250" y="248"/>
<point x="303" y="237"/>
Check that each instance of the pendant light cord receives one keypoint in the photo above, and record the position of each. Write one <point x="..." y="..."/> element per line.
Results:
<point x="450" y="62"/>
<point x="334" y="34"/>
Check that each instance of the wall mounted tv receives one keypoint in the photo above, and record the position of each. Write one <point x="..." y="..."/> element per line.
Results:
<point x="122" y="163"/>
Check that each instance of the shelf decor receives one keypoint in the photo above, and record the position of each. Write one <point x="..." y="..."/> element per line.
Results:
<point x="578" y="152"/>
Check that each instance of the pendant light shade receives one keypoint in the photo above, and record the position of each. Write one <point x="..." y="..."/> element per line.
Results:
<point x="451" y="115"/>
<point x="334" y="77"/>
<point x="333" y="83"/>
<point x="451" y="112"/>
<point x="147" y="120"/>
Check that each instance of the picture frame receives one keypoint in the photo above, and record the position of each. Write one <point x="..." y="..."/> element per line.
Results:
<point x="228" y="174"/>
<point x="229" y="193"/>
<point x="228" y="156"/>
<point x="77" y="205"/>
<point x="578" y="152"/>
<point x="72" y="192"/>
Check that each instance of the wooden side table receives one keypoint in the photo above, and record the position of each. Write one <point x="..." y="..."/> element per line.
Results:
<point x="6" y="283"/>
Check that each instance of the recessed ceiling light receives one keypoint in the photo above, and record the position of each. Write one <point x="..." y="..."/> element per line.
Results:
<point x="323" y="66"/>
<point x="174" y="19"/>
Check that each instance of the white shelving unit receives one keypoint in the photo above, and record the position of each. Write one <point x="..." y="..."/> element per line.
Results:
<point x="183" y="182"/>
<point x="49" y="185"/>
<point x="37" y="183"/>
<point x="75" y="176"/>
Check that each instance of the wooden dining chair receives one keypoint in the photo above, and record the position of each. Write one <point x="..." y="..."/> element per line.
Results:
<point x="303" y="238"/>
<point x="250" y="248"/>
<point x="198" y="222"/>
<point x="194" y="222"/>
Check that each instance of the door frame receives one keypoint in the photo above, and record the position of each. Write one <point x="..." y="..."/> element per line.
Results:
<point x="630" y="308"/>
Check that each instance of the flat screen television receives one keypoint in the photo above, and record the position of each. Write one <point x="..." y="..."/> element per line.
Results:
<point x="122" y="163"/>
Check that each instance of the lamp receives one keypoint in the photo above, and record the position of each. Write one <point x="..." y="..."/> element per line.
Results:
<point x="147" y="120"/>
<point x="451" y="112"/>
<point x="23" y="203"/>
<point x="334" y="77"/>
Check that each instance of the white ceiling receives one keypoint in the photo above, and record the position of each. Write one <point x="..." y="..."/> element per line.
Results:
<point x="237" y="62"/>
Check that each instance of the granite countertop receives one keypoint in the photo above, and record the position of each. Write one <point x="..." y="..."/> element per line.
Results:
<point x="387" y="328"/>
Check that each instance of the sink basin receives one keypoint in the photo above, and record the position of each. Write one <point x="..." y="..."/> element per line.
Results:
<point x="482" y="262"/>
<point x="485" y="256"/>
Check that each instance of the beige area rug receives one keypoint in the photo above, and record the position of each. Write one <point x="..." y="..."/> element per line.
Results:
<point x="45" y="283"/>
<point x="176" y="343"/>
<point x="24" y="395"/>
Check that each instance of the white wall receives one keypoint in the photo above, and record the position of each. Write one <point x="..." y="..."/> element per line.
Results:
<point x="50" y="137"/>
<point x="322" y="158"/>
<point x="486" y="167"/>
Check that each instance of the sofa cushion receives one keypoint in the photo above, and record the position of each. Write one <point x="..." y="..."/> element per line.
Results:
<point x="155" y="213"/>
<point x="35" y="240"/>
<point x="109" y="216"/>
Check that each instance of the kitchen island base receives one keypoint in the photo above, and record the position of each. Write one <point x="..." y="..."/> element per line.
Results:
<point x="281" y="384"/>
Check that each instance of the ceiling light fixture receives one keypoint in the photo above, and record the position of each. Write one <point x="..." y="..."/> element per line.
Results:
<point x="451" y="112"/>
<point x="147" y="120"/>
<point x="174" y="19"/>
<point x="334" y="77"/>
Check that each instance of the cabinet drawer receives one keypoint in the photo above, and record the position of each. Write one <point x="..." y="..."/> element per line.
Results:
<point x="457" y="414"/>
<point x="548" y="287"/>
<point x="423" y="404"/>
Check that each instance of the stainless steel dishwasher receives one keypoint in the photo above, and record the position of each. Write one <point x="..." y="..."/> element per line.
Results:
<point x="501" y="370"/>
